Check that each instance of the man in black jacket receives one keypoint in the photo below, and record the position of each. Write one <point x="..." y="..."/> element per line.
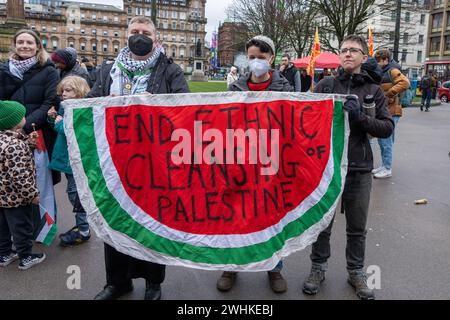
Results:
<point x="290" y="72"/>
<point x="140" y="67"/>
<point x="357" y="82"/>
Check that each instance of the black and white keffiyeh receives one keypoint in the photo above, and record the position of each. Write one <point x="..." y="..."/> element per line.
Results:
<point x="19" y="67"/>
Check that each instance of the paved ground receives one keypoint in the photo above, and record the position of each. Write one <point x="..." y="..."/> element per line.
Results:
<point x="410" y="243"/>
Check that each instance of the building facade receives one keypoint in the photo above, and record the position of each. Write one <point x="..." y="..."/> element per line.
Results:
<point x="98" y="31"/>
<point x="181" y="26"/>
<point x="438" y="42"/>
<point x="232" y="37"/>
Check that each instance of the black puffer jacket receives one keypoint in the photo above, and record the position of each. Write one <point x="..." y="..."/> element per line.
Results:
<point x="166" y="78"/>
<point x="360" y="157"/>
<point x="279" y="83"/>
<point x="37" y="92"/>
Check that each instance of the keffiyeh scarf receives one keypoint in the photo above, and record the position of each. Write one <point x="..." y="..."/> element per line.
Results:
<point x="131" y="76"/>
<point x="19" y="67"/>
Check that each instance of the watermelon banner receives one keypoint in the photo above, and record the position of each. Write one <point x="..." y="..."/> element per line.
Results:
<point x="218" y="181"/>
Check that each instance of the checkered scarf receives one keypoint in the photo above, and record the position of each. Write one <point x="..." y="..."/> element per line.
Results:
<point x="19" y="67"/>
<point x="138" y="72"/>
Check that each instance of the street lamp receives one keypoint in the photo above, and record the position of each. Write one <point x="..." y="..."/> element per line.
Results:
<point x="96" y="49"/>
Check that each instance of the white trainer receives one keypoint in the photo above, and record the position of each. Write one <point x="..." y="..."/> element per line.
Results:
<point x="379" y="169"/>
<point x="386" y="173"/>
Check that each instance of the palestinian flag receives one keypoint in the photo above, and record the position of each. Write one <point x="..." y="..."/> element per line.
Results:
<point x="218" y="181"/>
<point x="45" y="215"/>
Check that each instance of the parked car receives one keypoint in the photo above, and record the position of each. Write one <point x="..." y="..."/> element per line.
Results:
<point x="444" y="92"/>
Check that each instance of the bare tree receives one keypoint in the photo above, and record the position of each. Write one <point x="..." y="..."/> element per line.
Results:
<point x="343" y="17"/>
<point x="267" y="17"/>
<point x="298" y="29"/>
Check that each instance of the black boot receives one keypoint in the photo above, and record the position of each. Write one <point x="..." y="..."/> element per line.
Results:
<point x="152" y="291"/>
<point x="111" y="292"/>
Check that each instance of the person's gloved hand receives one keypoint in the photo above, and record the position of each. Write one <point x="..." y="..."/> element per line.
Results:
<point x="353" y="107"/>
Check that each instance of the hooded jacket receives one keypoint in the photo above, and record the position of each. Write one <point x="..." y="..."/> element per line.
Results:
<point x="360" y="157"/>
<point x="279" y="83"/>
<point x="393" y="84"/>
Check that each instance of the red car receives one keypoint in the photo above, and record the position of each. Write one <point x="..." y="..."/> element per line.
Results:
<point x="444" y="92"/>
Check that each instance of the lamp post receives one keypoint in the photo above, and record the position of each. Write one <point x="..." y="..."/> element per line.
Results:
<point x="96" y="49"/>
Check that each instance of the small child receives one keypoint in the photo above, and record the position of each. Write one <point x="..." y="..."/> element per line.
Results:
<point x="18" y="189"/>
<point x="71" y="87"/>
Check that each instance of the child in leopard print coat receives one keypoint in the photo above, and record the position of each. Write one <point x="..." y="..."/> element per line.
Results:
<point x="18" y="188"/>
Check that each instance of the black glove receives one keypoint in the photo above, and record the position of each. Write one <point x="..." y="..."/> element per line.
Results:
<point x="353" y="107"/>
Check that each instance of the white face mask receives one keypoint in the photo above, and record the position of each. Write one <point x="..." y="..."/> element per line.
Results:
<point x="259" y="67"/>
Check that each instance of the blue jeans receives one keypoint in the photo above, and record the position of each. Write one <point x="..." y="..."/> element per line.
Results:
<point x="278" y="267"/>
<point x="387" y="145"/>
<point x="426" y="96"/>
<point x="80" y="214"/>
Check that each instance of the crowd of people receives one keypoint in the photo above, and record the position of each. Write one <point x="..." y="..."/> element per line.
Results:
<point x="34" y="84"/>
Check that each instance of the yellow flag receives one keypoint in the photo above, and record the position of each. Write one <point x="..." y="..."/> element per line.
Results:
<point x="314" y="54"/>
<point x="370" y="42"/>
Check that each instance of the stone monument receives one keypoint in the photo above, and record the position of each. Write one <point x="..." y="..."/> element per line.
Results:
<point x="15" y="20"/>
<point x="198" y="74"/>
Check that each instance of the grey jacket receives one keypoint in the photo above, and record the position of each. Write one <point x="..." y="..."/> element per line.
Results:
<point x="279" y="83"/>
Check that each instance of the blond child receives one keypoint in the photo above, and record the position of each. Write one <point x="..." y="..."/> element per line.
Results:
<point x="71" y="87"/>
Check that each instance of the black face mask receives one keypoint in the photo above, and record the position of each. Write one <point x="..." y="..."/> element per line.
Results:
<point x="140" y="44"/>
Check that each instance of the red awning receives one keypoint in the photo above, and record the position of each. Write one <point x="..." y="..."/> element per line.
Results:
<point x="324" y="60"/>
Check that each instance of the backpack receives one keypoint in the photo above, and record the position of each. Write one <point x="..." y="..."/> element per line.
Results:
<point x="425" y="83"/>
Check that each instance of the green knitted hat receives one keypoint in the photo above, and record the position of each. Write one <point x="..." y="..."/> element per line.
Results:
<point x="11" y="113"/>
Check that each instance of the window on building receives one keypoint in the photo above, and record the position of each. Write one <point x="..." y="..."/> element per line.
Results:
<point x="105" y="47"/>
<point x="174" y="15"/>
<point x="420" y="39"/>
<point x="71" y="30"/>
<point x="129" y="10"/>
<point x="174" y="38"/>
<point x="116" y="19"/>
<point x="182" y="26"/>
<point x="138" y="11"/>
<point x="55" y="44"/>
<point x="405" y="38"/>
<point x="83" y="46"/>
<point x="105" y="33"/>
<point x="44" y="28"/>
<point x="174" y="52"/>
<point x="94" y="47"/>
<point x="105" y="19"/>
<point x="391" y="36"/>
<point x="71" y="44"/>
<point x="94" y="31"/>
<point x="182" y="52"/>
<point x="437" y="21"/>
<point x="148" y="12"/>
<point x="33" y="27"/>
<point x="422" y="19"/>
<point x="83" y="16"/>
<point x="82" y="31"/>
<point x="183" y="15"/>
<point x="116" y="48"/>
<point x="116" y="34"/>
<point x="435" y="44"/>
<point x="174" y="25"/>
<point x="404" y="53"/>
<point x="393" y="15"/>
<point x="447" y="44"/>
<point x="94" y="17"/>
<point x="419" y="56"/>
<point x="53" y="28"/>
<point x="44" y="43"/>
<point x="407" y="17"/>
<point x="165" y="25"/>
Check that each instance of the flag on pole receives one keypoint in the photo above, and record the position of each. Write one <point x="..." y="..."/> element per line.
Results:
<point x="370" y="42"/>
<point x="315" y="51"/>
<point x="214" y="50"/>
<point x="46" y="228"/>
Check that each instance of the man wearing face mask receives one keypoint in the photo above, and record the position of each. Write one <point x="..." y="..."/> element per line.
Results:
<point x="141" y="67"/>
<point x="260" y="55"/>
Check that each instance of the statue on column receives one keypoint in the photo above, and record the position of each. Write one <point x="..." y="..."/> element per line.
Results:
<point x="198" y="49"/>
<point x="15" y="10"/>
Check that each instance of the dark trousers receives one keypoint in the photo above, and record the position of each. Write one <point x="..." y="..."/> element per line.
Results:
<point x="120" y="268"/>
<point x="16" y="222"/>
<point x="426" y="98"/>
<point x="356" y="197"/>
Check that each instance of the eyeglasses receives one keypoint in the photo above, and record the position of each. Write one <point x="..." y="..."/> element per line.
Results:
<point x="352" y="50"/>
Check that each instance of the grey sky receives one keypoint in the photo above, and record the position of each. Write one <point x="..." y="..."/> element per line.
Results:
<point x="215" y="12"/>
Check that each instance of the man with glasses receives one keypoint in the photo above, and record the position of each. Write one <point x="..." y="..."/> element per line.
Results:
<point x="357" y="83"/>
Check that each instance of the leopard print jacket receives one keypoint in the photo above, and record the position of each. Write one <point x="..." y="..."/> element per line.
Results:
<point x="17" y="171"/>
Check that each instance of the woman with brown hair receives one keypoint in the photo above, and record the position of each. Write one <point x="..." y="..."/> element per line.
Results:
<point x="29" y="77"/>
